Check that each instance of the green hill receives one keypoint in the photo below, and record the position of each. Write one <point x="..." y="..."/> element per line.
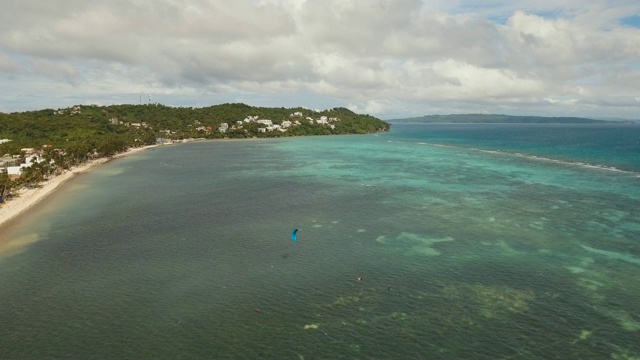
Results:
<point x="64" y="138"/>
<point x="133" y="125"/>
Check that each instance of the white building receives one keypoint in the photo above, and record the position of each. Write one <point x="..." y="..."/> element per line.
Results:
<point x="16" y="171"/>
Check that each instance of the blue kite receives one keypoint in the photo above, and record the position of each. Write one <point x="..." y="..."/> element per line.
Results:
<point x="294" y="234"/>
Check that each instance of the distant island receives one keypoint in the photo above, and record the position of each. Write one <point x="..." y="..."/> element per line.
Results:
<point x="501" y="119"/>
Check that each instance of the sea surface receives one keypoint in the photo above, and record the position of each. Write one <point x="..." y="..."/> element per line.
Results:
<point x="511" y="241"/>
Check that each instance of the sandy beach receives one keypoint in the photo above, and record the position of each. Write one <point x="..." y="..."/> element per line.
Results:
<point x="29" y="197"/>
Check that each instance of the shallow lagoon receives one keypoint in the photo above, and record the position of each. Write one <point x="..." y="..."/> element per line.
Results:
<point x="465" y="252"/>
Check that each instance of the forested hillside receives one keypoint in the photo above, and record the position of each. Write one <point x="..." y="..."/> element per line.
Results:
<point x="109" y="128"/>
<point x="48" y="142"/>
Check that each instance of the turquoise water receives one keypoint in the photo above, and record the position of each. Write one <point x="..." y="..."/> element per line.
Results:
<point x="472" y="243"/>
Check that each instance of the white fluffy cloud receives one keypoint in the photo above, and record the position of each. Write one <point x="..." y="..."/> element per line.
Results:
<point x="385" y="57"/>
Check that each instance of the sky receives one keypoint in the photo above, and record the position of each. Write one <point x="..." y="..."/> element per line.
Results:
<point x="387" y="58"/>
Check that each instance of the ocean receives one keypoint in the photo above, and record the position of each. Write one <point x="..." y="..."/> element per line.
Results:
<point x="449" y="241"/>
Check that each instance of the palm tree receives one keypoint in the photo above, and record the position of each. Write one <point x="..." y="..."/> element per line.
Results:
<point x="5" y="185"/>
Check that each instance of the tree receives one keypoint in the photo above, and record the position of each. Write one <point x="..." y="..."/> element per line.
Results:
<point x="6" y="185"/>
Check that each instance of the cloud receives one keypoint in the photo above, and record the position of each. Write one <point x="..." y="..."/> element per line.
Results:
<point x="53" y="69"/>
<point x="382" y="56"/>
<point x="8" y="64"/>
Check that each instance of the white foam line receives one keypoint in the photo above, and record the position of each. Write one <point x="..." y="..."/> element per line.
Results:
<point x="537" y="158"/>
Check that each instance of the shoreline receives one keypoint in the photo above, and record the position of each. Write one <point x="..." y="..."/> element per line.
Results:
<point x="10" y="210"/>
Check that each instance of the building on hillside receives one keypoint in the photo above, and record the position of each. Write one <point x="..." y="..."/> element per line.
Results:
<point x="15" y="171"/>
<point x="7" y="161"/>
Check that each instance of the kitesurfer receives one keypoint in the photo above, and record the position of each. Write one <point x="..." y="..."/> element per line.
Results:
<point x="294" y="234"/>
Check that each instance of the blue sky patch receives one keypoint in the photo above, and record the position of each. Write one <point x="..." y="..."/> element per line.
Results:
<point x="633" y="21"/>
<point x="503" y="18"/>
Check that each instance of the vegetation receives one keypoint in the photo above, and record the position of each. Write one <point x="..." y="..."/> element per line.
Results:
<point x="68" y="137"/>
<point x="497" y="119"/>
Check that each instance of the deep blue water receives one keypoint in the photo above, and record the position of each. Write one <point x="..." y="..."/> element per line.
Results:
<point x="607" y="145"/>
<point x="472" y="242"/>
